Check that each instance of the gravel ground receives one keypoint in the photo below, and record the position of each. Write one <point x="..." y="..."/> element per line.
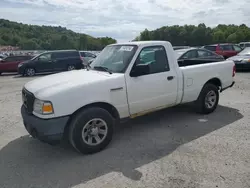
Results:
<point x="173" y="148"/>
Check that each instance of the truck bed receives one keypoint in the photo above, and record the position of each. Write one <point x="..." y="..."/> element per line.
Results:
<point x="195" y="76"/>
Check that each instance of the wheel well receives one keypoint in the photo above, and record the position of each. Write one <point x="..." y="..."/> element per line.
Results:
<point x="214" y="81"/>
<point x="110" y="108"/>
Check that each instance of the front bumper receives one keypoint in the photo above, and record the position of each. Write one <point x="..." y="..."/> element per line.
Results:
<point x="20" y="70"/>
<point x="46" y="130"/>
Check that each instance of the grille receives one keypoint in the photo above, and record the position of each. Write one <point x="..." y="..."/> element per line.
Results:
<point x="28" y="100"/>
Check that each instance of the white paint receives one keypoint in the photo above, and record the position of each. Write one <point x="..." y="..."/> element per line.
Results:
<point x="69" y="91"/>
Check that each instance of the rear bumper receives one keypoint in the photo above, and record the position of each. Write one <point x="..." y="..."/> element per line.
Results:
<point x="228" y="86"/>
<point x="46" y="130"/>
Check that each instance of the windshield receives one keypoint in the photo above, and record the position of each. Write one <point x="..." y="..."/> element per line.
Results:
<point x="115" y="58"/>
<point x="179" y="53"/>
<point x="36" y="56"/>
<point x="246" y="51"/>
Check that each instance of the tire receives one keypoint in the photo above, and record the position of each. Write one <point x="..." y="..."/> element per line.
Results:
<point x="79" y="125"/>
<point x="30" y="72"/>
<point x="202" y="104"/>
<point x="71" y="67"/>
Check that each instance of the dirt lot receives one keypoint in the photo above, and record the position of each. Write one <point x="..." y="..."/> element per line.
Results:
<point x="173" y="148"/>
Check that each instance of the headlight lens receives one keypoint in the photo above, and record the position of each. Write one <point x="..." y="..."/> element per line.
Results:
<point x="19" y="65"/>
<point x="43" y="107"/>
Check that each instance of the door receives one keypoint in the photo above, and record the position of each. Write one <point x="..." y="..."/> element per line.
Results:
<point x="44" y="63"/>
<point x="155" y="89"/>
<point x="9" y="64"/>
<point x="227" y="50"/>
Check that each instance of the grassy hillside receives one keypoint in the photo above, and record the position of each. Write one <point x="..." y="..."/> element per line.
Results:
<point x="33" y="37"/>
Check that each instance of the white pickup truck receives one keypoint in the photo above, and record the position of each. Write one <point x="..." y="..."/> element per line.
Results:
<point x="125" y="81"/>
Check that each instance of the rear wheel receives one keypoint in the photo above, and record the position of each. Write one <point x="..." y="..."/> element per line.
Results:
<point x="30" y="72"/>
<point x="91" y="130"/>
<point x="208" y="99"/>
<point x="71" y="67"/>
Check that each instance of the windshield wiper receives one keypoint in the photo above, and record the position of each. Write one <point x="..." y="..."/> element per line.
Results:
<point x="103" y="68"/>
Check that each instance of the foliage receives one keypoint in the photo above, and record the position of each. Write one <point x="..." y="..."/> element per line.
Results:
<point x="32" y="37"/>
<point x="190" y="35"/>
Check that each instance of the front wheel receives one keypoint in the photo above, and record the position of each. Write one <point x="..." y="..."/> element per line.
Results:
<point x="30" y="72"/>
<point x="91" y="130"/>
<point x="71" y="67"/>
<point x="208" y="99"/>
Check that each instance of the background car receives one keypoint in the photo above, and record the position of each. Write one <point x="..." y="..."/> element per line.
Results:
<point x="226" y="50"/>
<point x="180" y="47"/>
<point x="242" y="59"/>
<point x="244" y="44"/>
<point x="87" y="56"/>
<point x="196" y="56"/>
<point x="10" y="64"/>
<point x="53" y="61"/>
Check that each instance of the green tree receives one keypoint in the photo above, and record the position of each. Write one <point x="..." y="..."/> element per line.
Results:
<point x="34" y="37"/>
<point x="198" y="35"/>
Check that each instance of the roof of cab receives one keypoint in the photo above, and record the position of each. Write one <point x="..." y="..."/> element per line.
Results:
<point x="143" y="43"/>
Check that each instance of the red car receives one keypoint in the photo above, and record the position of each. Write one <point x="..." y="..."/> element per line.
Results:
<point x="226" y="50"/>
<point x="10" y="64"/>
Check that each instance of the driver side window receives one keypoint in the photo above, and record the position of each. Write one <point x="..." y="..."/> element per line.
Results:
<point x="191" y="54"/>
<point x="45" y="57"/>
<point x="155" y="58"/>
<point x="237" y="48"/>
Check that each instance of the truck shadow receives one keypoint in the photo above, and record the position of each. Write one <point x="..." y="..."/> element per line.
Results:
<point x="26" y="162"/>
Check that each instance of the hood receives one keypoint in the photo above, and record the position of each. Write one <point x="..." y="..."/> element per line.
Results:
<point x="26" y="61"/>
<point x="65" y="80"/>
<point x="239" y="57"/>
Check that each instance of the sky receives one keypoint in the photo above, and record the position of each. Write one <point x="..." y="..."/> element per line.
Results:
<point x="124" y="19"/>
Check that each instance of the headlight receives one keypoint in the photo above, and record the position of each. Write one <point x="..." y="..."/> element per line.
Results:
<point x="43" y="107"/>
<point x="19" y="65"/>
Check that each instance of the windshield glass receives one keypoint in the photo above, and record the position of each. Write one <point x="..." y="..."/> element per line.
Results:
<point x="116" y="58"/>
<point x="246" y="51"/>
<point x="179" y="53"/>
<point x="36" y="56"/>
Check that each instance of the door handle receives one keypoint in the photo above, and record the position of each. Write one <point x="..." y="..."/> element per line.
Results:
<point x="170" y="77"/>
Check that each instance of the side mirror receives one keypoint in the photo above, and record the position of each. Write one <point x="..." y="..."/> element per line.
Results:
<point x="140" y="70"/>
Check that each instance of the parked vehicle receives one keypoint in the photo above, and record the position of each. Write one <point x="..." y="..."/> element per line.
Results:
<point x="2" y="56"/>
<point x="244" y="45"/>
<point x="180" y="47"/>
<point x="87" y="56"/>
<point x="54" y="61"/>
<point x="242" y="59"/>
<point x="121" y="83"/>
<point x="196" y="56"/>
<point x="10" y="64"/>
<point x="226" y="50"/>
